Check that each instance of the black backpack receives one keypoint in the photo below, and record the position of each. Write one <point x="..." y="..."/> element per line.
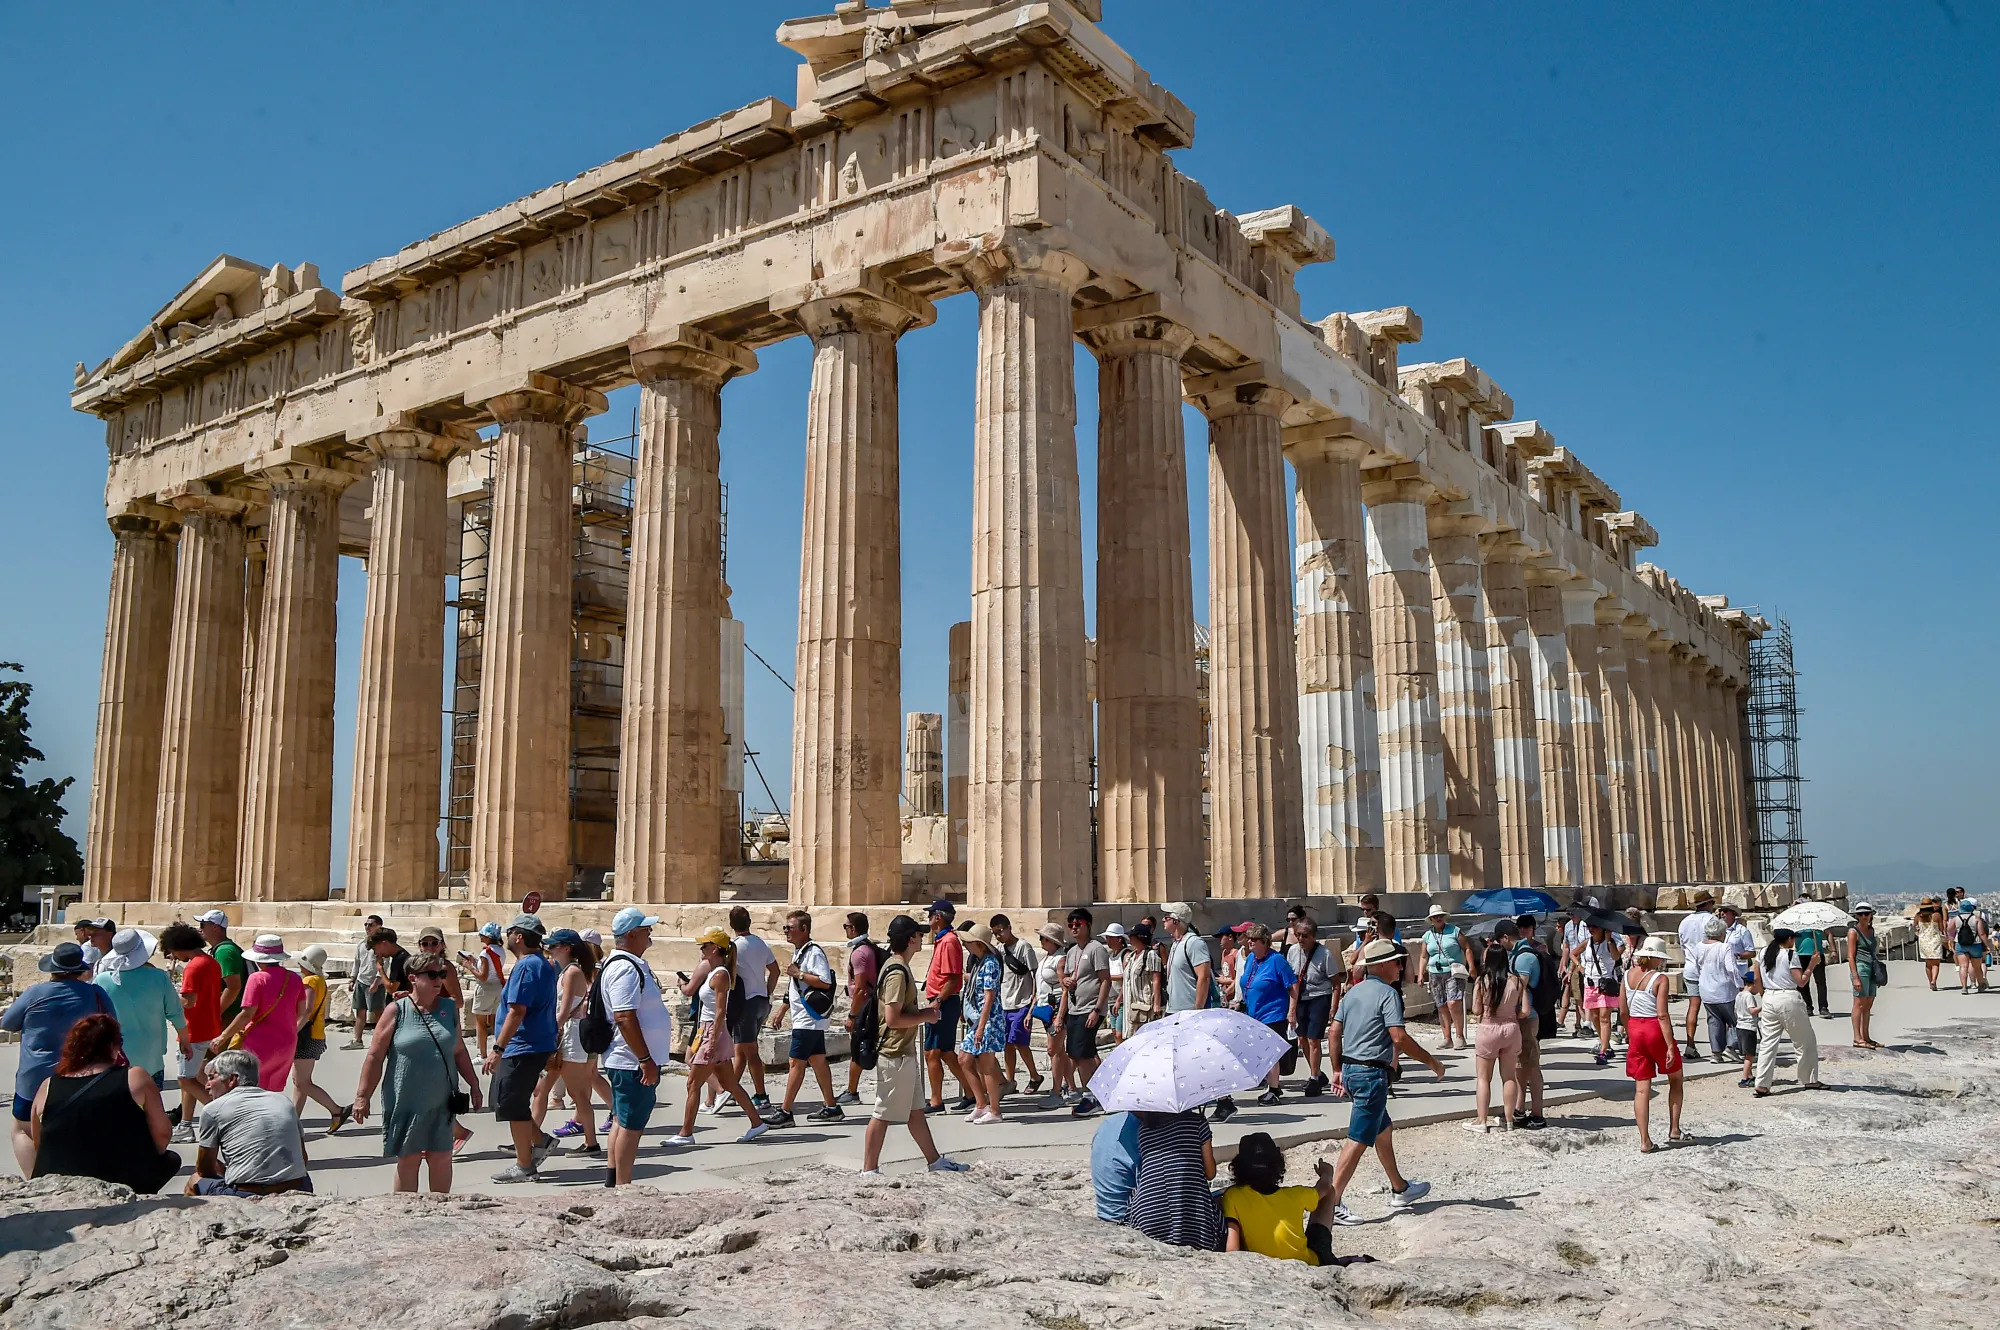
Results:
<point x="866" y="1046"/>
<point x="1968" y="936"/>
<point x="595" y="1029"/>
<point x="1548" y="987"/>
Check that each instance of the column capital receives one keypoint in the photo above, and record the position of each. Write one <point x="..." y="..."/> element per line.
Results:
<point x="853" y="301"/>
<point x="1442" y="520"/>
<point x="535" y="397"/>
<point x="1395" y="484"/>
<point x="1335" y="439"/>
<point x="203" y="496"/>
<point x="1636" y="627"/>
<point x="682" y="351"/>
<point x="401" y="434"/>
<point x="1547" y="573"/>
<point x="1146" y="323"/>
<point x="1610" y="612"/>
<point x="139" y="517"/>
<point x="1505" y="546"/>
<point x="1255" y="389"/>
<point x="1015" y="257"/>
<point x="311" y="468"/>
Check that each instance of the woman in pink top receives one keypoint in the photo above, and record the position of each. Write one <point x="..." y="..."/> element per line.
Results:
<point x="273" y="1005"/>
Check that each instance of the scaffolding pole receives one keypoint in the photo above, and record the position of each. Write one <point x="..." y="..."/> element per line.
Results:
<point x="1776" y="787"/>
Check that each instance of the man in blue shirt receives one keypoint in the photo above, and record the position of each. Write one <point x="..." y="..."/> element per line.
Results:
<point x="43" y="1017"/>
<point x="1114" y="1165"/>
<point x="1517" y="936"/>
<point x="522" y="1047"/>
<point x="1366" y="1035"/>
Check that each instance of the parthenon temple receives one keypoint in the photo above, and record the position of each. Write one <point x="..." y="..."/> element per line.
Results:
<point x="1449" y="670"/>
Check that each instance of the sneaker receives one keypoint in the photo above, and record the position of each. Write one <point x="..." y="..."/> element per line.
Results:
<point x="1535" y="1122"/>
<point x="545" y="1147"/>
<point x="1342" y="1215"/>
<point x="1086" y="1107"/>
<point x="1271" y="1095"/>
<point x="592" y="1152"/>
<point x="515" y="1173"/>
<point x="1315" y="1086"/>
<point x="1225" y="1109"/>
<point x="678" y="1140"/>
<point x="831" y="1113"/>
<point x="184" y="1134"/>
<point x="848" y="1097"/>
<point x="608" y="1123"/>
<point x="946" y="1164"/>
<point x="1475" y="1126"/>
<point x="871" y="1172"/>
<point x="931" y="1110"/>
<point x="1009" y="1088"/>
<point x="753" y="1133"/>
<point x="1411" y="1193"/>
<point x="567" y="1130"/>
<point x="1069" y="1097"/>
<point x="964" y="1103"/>
<point x="762" y="1101"/>
<point x="984" y="1118"/>
<point x="717" y="1108"/>
<point x="1746" y="1082"/>
<point x="777" y="1117"/>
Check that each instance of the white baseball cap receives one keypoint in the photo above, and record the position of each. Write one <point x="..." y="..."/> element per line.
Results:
<point x="216" y="917"/>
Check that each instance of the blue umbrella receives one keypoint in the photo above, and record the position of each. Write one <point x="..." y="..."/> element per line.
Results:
<point x="1511" y="901"/>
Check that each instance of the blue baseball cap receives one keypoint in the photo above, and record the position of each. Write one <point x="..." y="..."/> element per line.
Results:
<point x="490" y="931"/>
<point x="563" y="937"/>
<point x="942" y="908"/>
<point x="629" y="918"/>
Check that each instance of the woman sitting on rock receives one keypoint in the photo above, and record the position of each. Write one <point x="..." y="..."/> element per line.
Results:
<point x="1283" y="1223"/>
<point x="99" y="1116"/>
<point x="1171" y="1201"/>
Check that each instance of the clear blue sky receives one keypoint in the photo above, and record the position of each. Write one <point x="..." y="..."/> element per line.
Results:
<point x="1741" y="258"/>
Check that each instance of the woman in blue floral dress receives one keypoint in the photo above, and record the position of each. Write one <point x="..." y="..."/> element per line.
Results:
<point x="985" y="1025"/>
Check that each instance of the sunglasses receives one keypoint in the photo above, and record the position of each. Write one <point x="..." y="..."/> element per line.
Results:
<point x="431" y="942"/>
<point x="427" y="974"/>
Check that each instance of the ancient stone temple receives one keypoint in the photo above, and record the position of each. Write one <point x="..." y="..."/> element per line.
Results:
<point x="1452" y="672"/>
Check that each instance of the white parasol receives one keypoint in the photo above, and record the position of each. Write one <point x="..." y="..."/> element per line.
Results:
<point x="1186" y="1060"/>
<point x="1812" y="916"/>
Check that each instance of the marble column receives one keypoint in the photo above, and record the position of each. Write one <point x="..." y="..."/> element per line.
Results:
<point x="194" y="837"/>
<point x="847" y="715"/>
<point x="1716" y="854"/>
<point x="1339" y="748"/>
<point x="957" y="731"/>
<point x="1149" y="838"/>
<point x="392" y="834"/>
<point x="1412" y="738"/>
<point x="1562" y="829"/>
<point x="923" y="763"/>
<point x="1028" y="778"/>
<point x="1648" y="799"/>
<point x="670" y="734"/>
<point x="1687" y="765"/>
<point x="1586" y="688"/>
<point x="131" y="708"/>
<point x="1465" y="699"/>
<point x="1620" y="776"/>
<point x="255" y="561"/>
<point x="1256" y="805"/>
<point x="287" y="838"/>
<point x="520" y="802"/>
<point x="1517" y="776"/>
<point x="1667" y="697"/>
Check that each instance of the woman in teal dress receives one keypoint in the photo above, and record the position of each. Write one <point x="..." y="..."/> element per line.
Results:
<point x="417" y="1059"/>
<point x="1866" y="970"/>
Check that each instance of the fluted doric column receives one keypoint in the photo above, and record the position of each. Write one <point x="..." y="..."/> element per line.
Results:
<point x="1647" y="798"/>
<point x="1465" y="698"/>
<point x="1668" y="694"/>
<point x="1586" y="690"/>
<point x="255" y="561"/>
<point x="1517" y="777"/>
<point x="194" y="838"/>
<point x="1256" y="808"/>
<point x="1028" y="780"/>
<point x="392" y="845"/>
<point x="1149" y="842"/>
<point x="1339" y="751"/>
<point x="1562" y="830"/>
<point x="287" y="846"/>
<point x="131" y="707"/>
<point x="1406" y="690"/>
<point x="1687" y="766"/>
<point x="1620" y="778"/>
<point x="1715" y="856"/>
<point x="847" y="726"/>
<point x="1739" y="790"/>
<point x="670" y="734"/>
<point x="520" y="812"/>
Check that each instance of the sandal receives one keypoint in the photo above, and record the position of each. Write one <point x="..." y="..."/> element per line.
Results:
<point x="1681" y="1138"/>
<point x="1649" y="1149"/>
<point x="1762" y="1094"/>
<point x="1813" y="1085"/>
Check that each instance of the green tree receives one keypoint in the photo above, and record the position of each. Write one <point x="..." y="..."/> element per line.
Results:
<point x="34" y="849"/>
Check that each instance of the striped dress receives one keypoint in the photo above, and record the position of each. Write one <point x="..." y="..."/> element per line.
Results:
<point x="1171" y="1201"/>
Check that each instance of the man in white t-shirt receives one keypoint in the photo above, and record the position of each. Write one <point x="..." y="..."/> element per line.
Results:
<point x="758" y="969"/>
<point x="810" y="987"/>
<point x="1690" y="934"/>
<point x="641" y="1033"/>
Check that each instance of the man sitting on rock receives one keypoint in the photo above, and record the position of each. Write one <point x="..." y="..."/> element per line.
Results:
<point x="248" y="1141"/>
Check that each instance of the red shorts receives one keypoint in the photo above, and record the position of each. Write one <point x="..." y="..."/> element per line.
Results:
<point x="1650" y="1053"/>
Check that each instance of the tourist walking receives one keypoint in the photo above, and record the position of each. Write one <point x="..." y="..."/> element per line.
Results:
<point x="527" y="1036"/>
<point x="576" y="1068"/>
<point x="898" y="1070"/>
<point x="1171" y="1200"/>
<point x="1084" y="999"/>
<point x="1441" y="959"/>
<point x="1931" y="945"/>
<point x="1783" y="1013"/>
<point x="1228" y="960"/>
<point x="641" y="1034"/>
<point x="944" y="988"/>
<point x="1575" y="937"/>
<point x="1597" y="962"/>
<point x="1500" y="1003"/>
<point x="1319" y="970"/>
<point x="1366" y="1034"/>
<point x="144" y="1000"/>
<point x="1651" y="1051"/>
<point x="392" y="967"/>
<point x="1267" y="983"/>
<point x="1969" y="939"/>
<point x="1537" y="968"/>
<point x="94" y="936"/>
<point x="753" y="962"/>
<point x="985" y="1024"/>
<point x="486" y="968"/>
<point x="201" y="1009"/>
<point x="214" y="926"/>
<point x="1692" y="933"/>
<point x="1054" y="942"/>
<point x="248" y="1142"/>
<point x="863" y="964"/>
<point x="362" y="999"/>
<point x="1019" y="963"/>
<point x="1717" y="982"/>
<point x="1267" y="1217"/>
<point x="266" y="1026"/>
<point x="712" y="1056"/>
<point x="1749" y="1002"/>
<point x="1867" y="971"/>
<point x="310" y="1045"/>
<point x="1140" y="998"/>
<point x="417" y="1058"/>
<point x="430" y="942"/>
<point x="808" y="1002"/>
<point x="1117" y="946"/>
<point x="99" y="1115"/>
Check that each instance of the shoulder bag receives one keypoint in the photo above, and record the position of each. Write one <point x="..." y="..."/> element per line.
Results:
<point x="458" y="1102"/>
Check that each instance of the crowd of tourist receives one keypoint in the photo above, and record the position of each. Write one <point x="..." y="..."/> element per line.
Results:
<point x="563" y="1020"/>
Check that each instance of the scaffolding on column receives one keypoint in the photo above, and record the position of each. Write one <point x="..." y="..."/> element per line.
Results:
<point x="1776" y="787"/>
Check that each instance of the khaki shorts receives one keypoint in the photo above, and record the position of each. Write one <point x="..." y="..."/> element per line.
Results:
<point x="897" y="1081"/>
<point x="1531" y="1045"/>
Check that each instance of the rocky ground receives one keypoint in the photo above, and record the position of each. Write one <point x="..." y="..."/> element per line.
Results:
<point x="1874" y="1204"/>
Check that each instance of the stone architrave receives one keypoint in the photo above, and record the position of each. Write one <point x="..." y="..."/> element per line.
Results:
<point x="1256" y="805"/>
<point x="847" y="844"/>
<point x="1406" y="686"/>
<point x="520" y="813"/>
<point x="1647" y="799"/>
<point x="1149" y="735"/>
<point x="392" y="843"/>
<point x="1668" y="694"/>
<point x="1586" y="690"/>
<point x="1562" y="831"/>
<point x="201" y="747"/>
<point x="1339" y="751"/>
<point x="1517" y="779"/>
<point x="670" y="739"/>
<point x="131" y="708"/>
<point x="958" y="732"/>
<point x="1465" y="699"/>
<point x="1028" y="774"/>
<point x="1620" y="778"/>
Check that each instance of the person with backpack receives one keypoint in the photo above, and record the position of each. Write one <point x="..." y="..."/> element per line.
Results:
<point x="625" y="1024"/>
<point x="864" y="963"/>
<point x="1537" y="968"/>
<point x="1968" y="945"/>
<point x="718" y="989"/>
<point x="808" y="1002"/>
<point x="886" y="1034"/>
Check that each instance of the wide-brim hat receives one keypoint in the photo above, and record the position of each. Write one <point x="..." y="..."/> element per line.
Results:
<point x="1654" y="949"/>
<point x="1436" y="912"/>
<point x="131" y="948"/>
<point x="1113" y="930"/>
<point x="67" y="958"/>
<point x="983" y="935"/>
<point x="1053" y="932"/>
<point x="1380" y="950"/>
<point x="268" y="949"/>
<point x="313" y="960"/>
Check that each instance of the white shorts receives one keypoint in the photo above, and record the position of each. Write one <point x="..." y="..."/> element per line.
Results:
<point x="192" y="1062"/>
<point x="572" y="1042"/>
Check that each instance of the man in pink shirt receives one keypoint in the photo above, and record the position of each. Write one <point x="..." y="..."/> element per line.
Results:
<point x="942" y="985"/>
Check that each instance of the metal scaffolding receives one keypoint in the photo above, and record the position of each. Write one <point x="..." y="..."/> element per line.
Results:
<point x="1776" y="787"/>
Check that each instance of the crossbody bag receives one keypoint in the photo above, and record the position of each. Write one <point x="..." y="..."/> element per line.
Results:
<point x="459" y="1102"/>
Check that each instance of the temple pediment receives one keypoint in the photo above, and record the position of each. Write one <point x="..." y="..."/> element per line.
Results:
<point x="226" y="290"/>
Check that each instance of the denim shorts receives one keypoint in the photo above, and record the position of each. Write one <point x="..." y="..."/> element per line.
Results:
<point x="1368" y="1089"/>
<point x="807" y="1045"/>
<point x="632" y="1100"/>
